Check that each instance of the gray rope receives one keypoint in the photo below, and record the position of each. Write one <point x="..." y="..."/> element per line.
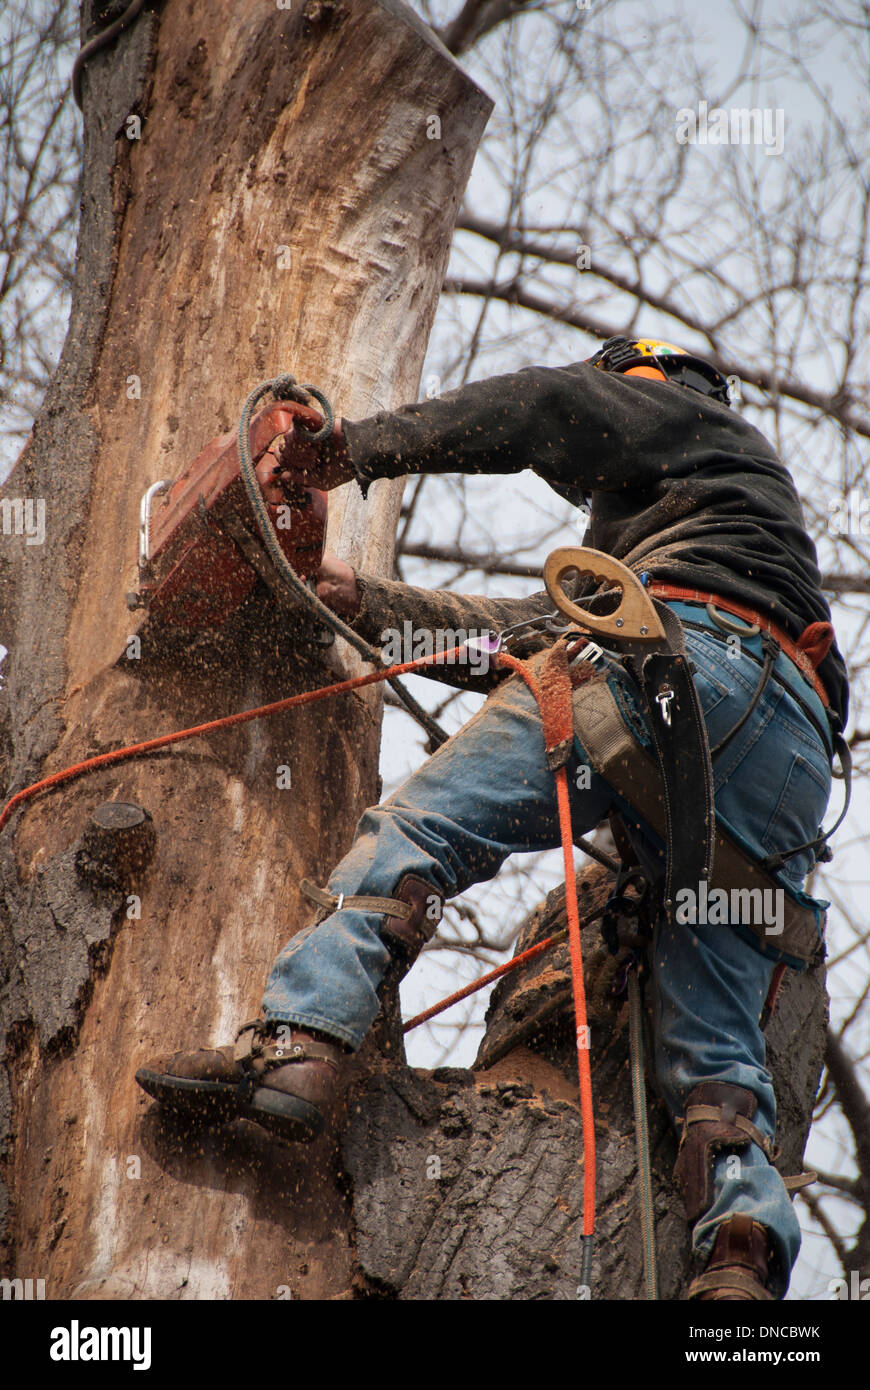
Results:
<point x="100" y="40"/>
<point x="286" y="387"/>
<point x="641" y="1131"/>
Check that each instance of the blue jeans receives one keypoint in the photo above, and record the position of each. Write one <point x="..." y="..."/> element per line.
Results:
<point x="488" y="793"/>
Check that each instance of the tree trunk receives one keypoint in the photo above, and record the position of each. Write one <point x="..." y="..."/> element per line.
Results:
<point x="287" y="204"/>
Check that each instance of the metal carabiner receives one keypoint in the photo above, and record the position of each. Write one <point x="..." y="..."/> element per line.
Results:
<point x="726" y="624"/>
<point x="663" y="700"/>
<point x="543" y="620"/>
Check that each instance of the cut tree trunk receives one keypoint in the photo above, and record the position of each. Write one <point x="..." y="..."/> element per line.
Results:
<point x="287" y="204"/>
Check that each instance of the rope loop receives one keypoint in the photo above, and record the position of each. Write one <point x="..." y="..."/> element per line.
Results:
<point x="315" y="436"/>
<point x="287" y="388"/>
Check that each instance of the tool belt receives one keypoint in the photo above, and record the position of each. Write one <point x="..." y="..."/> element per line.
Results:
<point x="671" y="784"/>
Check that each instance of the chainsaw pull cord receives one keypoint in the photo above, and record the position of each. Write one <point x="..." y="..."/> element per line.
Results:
<point x="286" y="387"/>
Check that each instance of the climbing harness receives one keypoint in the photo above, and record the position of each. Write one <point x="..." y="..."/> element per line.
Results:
<point x="652" y="650"/>
<point x="811" y="648"/>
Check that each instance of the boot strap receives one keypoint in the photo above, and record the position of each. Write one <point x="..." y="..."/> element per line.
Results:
<point x="799" y="1180"/>
<point x="697" y="1114"/>
<point x="251" y="1044"/>
<point x="335" y="902"/>
<point x="728" y="1277"/>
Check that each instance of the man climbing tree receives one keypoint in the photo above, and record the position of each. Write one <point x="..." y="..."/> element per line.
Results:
<point x="695" y="502"/>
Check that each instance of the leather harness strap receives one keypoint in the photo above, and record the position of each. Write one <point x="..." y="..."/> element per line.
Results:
<point x="697" y="1113"/>
<point x="255" y="1045"/>
<point x="817" y="638"/>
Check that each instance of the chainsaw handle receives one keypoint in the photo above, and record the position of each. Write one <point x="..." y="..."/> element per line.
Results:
<point x="634" y="619"/>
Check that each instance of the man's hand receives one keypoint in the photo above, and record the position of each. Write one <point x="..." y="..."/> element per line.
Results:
<point x="337" y="586"/>
<point x="301" y="464"/>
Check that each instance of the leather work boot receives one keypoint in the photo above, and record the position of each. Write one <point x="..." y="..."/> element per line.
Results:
<point x="283" y="1080"/>
<point x="737" y="1268"/>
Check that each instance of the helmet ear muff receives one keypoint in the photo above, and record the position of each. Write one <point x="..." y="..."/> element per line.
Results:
<point x="653" y="373"/>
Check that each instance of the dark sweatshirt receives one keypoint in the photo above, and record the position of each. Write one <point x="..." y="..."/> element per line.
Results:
<point x="680" y="486"/>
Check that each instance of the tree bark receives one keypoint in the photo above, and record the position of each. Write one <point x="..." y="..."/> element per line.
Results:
<point x="283" y="207"/>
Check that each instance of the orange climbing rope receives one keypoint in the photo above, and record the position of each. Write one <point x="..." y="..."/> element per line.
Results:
<point x="553" y="697"/>
<point x="135" y="750"/>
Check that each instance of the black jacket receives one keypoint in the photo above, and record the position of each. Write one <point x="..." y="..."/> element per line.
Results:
<point x="680" y="486"/>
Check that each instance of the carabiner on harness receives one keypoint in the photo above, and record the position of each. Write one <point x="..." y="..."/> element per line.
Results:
<point x="663" y="700"/>
<point x="493" y="642"/>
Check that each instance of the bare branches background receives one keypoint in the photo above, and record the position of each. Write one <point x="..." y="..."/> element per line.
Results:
<point x="40" y="157"/>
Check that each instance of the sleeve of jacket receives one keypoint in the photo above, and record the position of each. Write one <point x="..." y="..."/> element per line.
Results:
<point x="581" y="429"/>
<point x="388" y="605"/>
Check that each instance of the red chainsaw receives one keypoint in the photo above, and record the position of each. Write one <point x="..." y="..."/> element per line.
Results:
<point x="192" y="573"/>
